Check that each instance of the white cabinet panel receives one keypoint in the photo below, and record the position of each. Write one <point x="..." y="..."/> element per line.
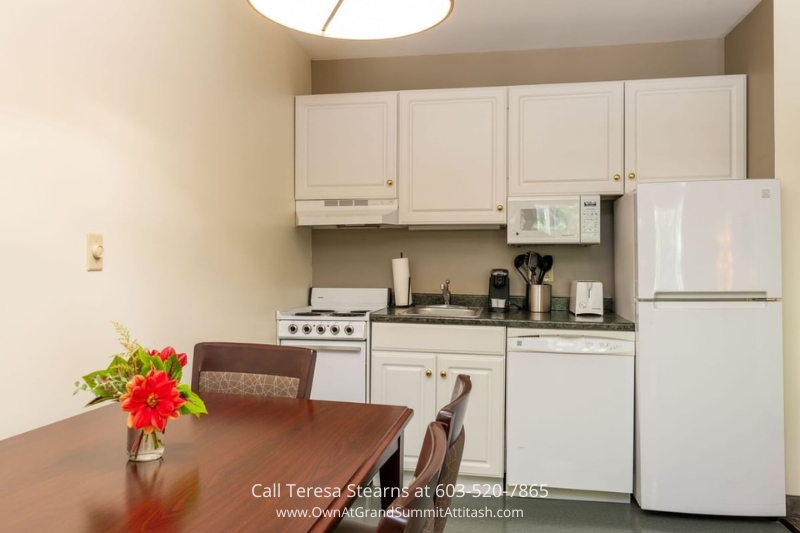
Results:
<point x="439" y="338"/>
<point x="407" y="379"/>
<point x="684" y="129"/>
<point x="403" y="373"/>
<point x="484" y="427"/>
<point x="566" y="139"/>
<point x="452" y="150"/>
<point x="346" y="146"/>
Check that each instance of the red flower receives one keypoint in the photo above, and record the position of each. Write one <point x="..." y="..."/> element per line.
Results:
<point x="168" y="352"/>
<point x="151" y="400"/>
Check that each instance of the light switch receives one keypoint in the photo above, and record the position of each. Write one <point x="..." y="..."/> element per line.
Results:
<point x="94" y="252"/>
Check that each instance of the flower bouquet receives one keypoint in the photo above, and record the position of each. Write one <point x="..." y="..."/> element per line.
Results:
<point x="147" y="385"/>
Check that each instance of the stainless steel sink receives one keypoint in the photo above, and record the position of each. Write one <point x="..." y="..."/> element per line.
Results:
<point x="452" y="311"/>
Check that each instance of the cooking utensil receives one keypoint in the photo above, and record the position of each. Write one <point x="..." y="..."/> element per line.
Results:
<point x="546" y="266"/>
<point x="519" y="264"/>
<point x="535" y="266"/>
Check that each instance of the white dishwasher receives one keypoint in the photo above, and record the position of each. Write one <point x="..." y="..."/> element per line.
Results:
<point x="569" y="413"/>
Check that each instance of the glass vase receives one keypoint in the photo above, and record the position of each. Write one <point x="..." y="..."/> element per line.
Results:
<point x="144" y="447"/>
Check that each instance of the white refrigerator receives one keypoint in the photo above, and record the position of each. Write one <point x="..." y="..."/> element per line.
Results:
<point x="698" y="268"/>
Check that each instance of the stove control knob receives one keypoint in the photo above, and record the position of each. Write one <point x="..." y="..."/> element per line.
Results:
<point x="335" y="329"/>
<point x="292" y="328"/>
<point x="321" y="329"/>
<point x="348" y="330"/>
<point x="307" y="329"/>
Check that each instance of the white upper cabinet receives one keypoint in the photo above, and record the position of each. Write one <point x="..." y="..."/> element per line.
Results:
<point x="684" y="129"/>
<point x="566" y="139"/>
<point x="452" y="150"/>
<point x="346" y="146"/>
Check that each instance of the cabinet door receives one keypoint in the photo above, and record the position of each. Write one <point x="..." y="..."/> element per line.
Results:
<point x="402" y="378"/>
<point x="566" y="139"/>
<point x="484" y="422"/>
<point x="346" y="146"/>
<point x="452" y="150"/>
<point x="685" y="129"/>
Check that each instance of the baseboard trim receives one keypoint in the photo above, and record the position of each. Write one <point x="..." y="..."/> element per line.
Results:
<point x="792" y="506"/>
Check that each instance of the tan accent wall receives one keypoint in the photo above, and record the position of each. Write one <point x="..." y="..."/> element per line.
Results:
<point x="787" y="169"/>
<point x="169" y="128"/>
<point x="562" y="65"/>
<point x="749" y="49"/>
<point x="361" y="258"/>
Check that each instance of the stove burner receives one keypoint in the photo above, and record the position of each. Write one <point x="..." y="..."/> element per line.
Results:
<point x="311" y="313"/>
<point x="352" y="313"/>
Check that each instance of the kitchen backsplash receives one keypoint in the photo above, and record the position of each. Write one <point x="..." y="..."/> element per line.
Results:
<point x="362" y="258"/>
<point x="559" y="303"/>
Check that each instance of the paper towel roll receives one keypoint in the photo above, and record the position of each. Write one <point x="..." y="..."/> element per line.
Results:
<point x="402" y="282"/>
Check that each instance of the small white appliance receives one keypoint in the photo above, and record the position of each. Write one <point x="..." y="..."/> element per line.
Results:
<point x="336" y="325"/>
<point x="332" y="213"/>
<point x="569" y="412"/>
<point x="698" y="267"/>
<point x="586" y="297"/>
<point x="554" y="220"/>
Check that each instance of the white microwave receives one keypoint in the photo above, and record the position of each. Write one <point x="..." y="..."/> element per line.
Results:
<point x="554" y="220"/>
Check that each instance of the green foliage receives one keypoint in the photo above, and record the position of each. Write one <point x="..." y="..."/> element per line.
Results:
<point x="194" y="405"/>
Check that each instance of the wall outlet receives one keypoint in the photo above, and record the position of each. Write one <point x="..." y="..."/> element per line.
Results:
<point x="549" y="278"/>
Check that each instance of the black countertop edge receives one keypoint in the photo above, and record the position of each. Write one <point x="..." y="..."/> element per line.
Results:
<point x="512" y="319"/>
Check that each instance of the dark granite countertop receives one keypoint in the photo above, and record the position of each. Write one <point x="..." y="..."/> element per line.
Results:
<point x="558" y="319"/>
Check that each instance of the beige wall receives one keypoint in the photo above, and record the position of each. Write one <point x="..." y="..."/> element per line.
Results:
<point x="566" y="65"/>
<point x="362" y="258"/>
<point x="787" y="169"/>
<point x="749" y="50"/>
<point x="168" y="127"/>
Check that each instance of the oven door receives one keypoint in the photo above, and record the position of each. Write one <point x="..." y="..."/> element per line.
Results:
<point x="340" y="373"/>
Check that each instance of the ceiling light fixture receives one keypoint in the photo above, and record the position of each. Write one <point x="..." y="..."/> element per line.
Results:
<point x="356" y="19"/>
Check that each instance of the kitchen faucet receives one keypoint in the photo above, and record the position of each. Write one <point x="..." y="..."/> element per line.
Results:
<point x="446" y="291"/>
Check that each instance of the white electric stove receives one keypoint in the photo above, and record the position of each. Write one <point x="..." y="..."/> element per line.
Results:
<point x="336" y="325"/>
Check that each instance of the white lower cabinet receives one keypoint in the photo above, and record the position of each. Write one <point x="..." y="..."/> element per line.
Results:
<point x="417" y="365"/>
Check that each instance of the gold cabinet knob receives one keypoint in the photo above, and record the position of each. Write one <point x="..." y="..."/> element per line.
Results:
<point x="429" y="373"/>
<point x="631" y="176"/>
<point x="389" y="182"/>
<point x="617" y="177"/>
<point x="499" y="207"/>
<point x="443" y="373"/>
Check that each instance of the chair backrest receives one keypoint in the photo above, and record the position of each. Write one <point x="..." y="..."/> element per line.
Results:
<point x="412" y="511"/>
<point x="451" y="416"/>
<point x="253" y="369"/>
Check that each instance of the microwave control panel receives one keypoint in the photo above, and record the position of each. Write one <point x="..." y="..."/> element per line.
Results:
<point x="590" y="219"/>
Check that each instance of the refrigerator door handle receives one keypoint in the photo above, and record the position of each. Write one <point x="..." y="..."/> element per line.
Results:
<point x="709" y="296"/>
<point x="713" y="304"/>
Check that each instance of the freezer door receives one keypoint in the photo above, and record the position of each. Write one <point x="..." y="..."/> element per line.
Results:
<point x="709" y="237"/>
<point x="709" y="408"/>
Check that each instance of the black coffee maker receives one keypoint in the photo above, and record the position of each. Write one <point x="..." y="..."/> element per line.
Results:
<point x="499" y="295"/>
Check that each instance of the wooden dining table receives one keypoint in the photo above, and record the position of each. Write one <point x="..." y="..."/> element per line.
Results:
<point x="233" y="470"/>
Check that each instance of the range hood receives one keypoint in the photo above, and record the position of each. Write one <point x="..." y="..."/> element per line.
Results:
<point x="332" y="213"/>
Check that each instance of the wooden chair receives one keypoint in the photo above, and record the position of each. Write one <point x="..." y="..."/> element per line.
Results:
<point x="412" y="512"/>
<point x="253" y="369"/>
<point x="451" y="416"/>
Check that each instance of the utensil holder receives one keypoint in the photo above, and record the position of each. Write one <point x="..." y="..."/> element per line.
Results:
<point x="539" y="297"/>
